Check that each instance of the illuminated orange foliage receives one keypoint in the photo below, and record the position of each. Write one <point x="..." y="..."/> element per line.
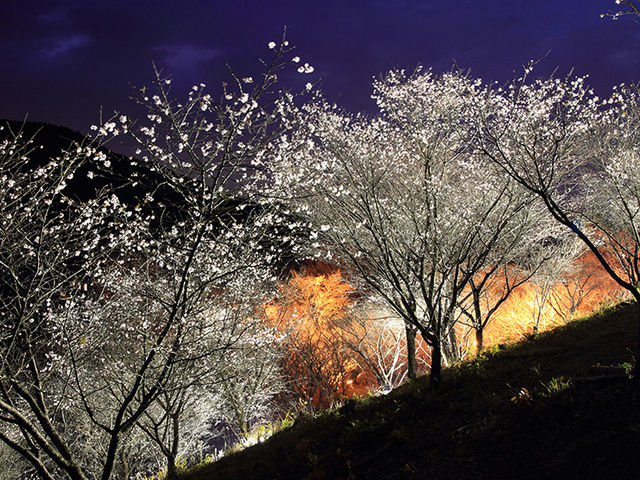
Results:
<point x="587" y="288"/>
<point x="332" y="354"/>
<point x="312" y="310"/>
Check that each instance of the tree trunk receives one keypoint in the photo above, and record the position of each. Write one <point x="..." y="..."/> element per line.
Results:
<point x="436" y="364"/>
<point x="410" y="333"/>
<point x="479" y="326"/>
<point x="172" y="471"/>
<point x="479" y="339"/>
<point x="636" y="368"/>
<point x="450" y="348"/>
<point x="534" y="331"/>
<point x="126" y="471"/>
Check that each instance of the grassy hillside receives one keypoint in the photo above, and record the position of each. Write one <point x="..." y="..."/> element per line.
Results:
<point x="533" y="410"/>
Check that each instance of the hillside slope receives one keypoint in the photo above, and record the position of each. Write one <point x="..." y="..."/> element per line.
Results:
<point x="571" y="421"/>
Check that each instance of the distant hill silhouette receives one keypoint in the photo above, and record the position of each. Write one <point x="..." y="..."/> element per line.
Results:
<point x="118" y="177"/>
<point x="131" y="181"/>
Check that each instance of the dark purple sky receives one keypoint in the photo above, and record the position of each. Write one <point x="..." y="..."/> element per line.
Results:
<point x="63" y="60"/>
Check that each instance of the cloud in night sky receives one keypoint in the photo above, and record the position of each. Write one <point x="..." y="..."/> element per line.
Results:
<point x="65" y="45"/>
<point x="186" y="57"/>
<point x="54" y="17"/>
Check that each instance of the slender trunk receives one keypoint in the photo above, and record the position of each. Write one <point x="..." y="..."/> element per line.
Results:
<point x="636" y="369"/>
<point x="126" y="471"/>
<point x="451" y="351"/>
<point x="172" y="470"/>
<point x="546" y="289"/>
<point x="114" y="443"/>
<point x="410" y="333"/>
<point x="436" y="364"/>
<point x="479" y="327"/>
<point x="479" y="339"/>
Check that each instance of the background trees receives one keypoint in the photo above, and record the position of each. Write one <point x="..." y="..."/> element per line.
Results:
<point x="311" y="312"/>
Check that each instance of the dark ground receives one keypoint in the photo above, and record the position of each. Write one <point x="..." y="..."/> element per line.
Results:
<point x="571" y="422"/>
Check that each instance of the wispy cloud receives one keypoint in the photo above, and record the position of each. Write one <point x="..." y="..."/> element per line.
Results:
<point x="186" y="56"/>
<point x="62" y="46"/>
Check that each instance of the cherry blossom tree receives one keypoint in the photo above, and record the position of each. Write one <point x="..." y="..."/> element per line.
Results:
<point x="215" y="243"/>
<point x="510" y="264"/>
<point x="576" y="153"/>
<point x="111" y="313"/>
<point x="231" y="373"/>
<point x="583" y="286"/>
<point x="400" y="198"/>
<point x="50" y="245"/>
<point x="375" y="339"/>
<point x="379" y="346"/>
<point x="556" y="258"/>
<point x="624" y="8"/>
<point x="252" y="381"/>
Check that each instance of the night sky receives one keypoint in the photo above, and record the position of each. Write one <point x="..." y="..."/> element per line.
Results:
<point x="61" y="61"/>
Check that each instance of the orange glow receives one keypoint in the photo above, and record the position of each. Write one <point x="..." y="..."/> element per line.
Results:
<point x="332" y="353"/>
<point x="313" y="310"/>
<point x="555" y="304"/>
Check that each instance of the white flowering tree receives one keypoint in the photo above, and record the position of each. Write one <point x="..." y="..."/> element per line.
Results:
<point x="401" y="199"/>
<point x="227" y="346"/>
<point x="576" y="153"/>
<point x="252" y="380"/>
<point x="375" y="339"/>
<point x="216" y="243"/>
<point x="130" y="353"/>
<point x="555" y="259"/>
<point x="614" y="182"/>
<point x="511" y="263"/>
<point x="50" y="245"/>
<point x="624" y="8"/>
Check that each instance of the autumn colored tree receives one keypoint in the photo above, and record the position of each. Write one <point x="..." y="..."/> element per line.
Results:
<point x="312" y="310"/>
